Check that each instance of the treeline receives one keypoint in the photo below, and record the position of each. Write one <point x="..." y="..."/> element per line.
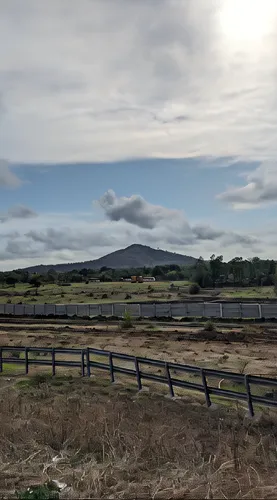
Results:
<point x="212" y="273"/>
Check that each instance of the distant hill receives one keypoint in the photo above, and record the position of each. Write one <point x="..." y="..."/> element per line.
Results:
<point x="132" y="256"/>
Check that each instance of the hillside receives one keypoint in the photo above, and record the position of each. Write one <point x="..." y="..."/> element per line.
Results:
<point x="132" y="256"/>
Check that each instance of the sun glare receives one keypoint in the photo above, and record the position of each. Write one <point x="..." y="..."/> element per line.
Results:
<point x="247" y="20"/>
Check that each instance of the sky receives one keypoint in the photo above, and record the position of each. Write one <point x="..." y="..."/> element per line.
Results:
<point x="125" y="121"/>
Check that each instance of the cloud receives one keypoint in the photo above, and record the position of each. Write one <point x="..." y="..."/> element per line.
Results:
<point x="66" y="239"/>
<point x="166" y="225"/>
<point x="135" y="210"/>
<point x="17" y="212"/>
<point x="8" y="178"/>
<point x="260" y="189"/>
<point x="107" y="80"/>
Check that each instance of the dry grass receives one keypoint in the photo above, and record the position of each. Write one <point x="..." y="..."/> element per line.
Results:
<point x="107" y="442"/>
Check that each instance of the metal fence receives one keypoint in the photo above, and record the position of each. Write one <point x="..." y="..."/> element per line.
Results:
<point x="171" y="374"/>
<point x="147" y="310"/>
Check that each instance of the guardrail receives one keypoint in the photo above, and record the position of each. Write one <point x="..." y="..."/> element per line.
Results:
<point x="147" y="310"/>
<point x="83" y="360"/>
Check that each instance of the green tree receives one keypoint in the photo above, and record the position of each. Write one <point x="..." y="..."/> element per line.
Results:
<point x="35" y="281"/>
<point x="215" y="267"/>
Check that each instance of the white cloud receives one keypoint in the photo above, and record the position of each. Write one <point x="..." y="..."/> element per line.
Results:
<point x="7" y="178"/>
<point x="56" y="238"/>
<point x="105" y="80"/>
<point x="260" y="189"/>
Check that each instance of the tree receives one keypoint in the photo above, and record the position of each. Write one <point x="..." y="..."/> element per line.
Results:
<point x="215" y="267"/>
<point x="11" y="280"/>
<point x="35" y="282"/>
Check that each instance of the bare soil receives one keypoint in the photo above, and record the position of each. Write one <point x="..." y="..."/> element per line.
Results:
<point x="250" y="349"/>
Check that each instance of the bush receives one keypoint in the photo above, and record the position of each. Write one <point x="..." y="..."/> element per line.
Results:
<point x="15" y="354"/>
<point x="128" y="296"/>
<point x="47" y="491"/>
<point x="104" y="296"/>
<point x="127" y="320"/>
<point x="209" y="326"/>
<point x="194" y="289"/>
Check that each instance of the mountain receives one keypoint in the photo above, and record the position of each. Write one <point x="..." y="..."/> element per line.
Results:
<point x="132" y="256"/>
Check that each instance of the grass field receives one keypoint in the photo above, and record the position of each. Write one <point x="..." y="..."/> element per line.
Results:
<point x="93" y="292"/>
<point x="104" y="441"/>
<point x="122" y="292"/>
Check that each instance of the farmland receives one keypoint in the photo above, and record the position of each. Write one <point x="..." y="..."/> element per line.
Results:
<point x="82" y="293"/>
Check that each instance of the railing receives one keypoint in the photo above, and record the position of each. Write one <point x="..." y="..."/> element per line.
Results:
<point x="84" y="362"/>
<point x="147" y="310"/>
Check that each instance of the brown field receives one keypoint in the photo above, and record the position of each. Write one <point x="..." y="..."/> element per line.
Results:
<point x="108" y="441"/>
<point x="82" y="293"/>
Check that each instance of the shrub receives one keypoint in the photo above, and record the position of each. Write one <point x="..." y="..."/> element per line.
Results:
<point x="209" y="326"/>
<point x="127" y="320"/>
<point x="15" y="354"/>
<point x="47" y="491"/>
<point x="194" y="289"/>
<point x="128" y="296"/>
<point x="104" y="296"/>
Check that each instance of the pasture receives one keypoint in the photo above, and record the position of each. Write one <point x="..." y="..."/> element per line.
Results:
<point x="101" y="293"/>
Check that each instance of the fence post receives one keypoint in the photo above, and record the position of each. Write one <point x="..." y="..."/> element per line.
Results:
<point x="111" y="366"/>
<point x="204" y="310"/>
<point x="88" y="362"/>
<point x="26" y="361"/>
<point x="138" y="374"/>
<point x="171" y="390"/>
<point x="100" y="310"/>
<point x="82" y="363"/>
<point x="53" y="362"/>
<point x="1" y="360"/>
<point x="139" y="310"/>
<point x="249" y="397"/>
<point x="112" y="311"/>
<point x="206" y="389"/>
<point x="260" y="311"/>
<point x="221" y="309"/>
<point x="240" y="308"/>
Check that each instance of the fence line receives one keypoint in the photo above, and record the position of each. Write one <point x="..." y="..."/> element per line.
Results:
<point x="147" y="310"/>
<point x="87" y="365"/>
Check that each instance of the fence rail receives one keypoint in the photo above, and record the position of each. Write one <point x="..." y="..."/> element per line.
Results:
<point x="147" y="310"/>
<point x="137" y="368"/>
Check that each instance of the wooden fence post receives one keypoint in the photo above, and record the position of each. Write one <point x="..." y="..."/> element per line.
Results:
<point x="53" y="362"/>
<point x="249" y="397"/>
<point x="206" y="389"/>
<point x="171" y="390"/>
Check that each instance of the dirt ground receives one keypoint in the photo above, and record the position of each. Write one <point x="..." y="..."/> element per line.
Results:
<point x="246" y="349"/>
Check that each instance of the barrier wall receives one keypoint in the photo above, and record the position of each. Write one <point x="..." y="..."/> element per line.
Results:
<point x="163" y="309"/>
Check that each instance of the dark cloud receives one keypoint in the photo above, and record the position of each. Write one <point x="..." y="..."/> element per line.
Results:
<point x="135" y="210"/>
<point x="17" y="212"/>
